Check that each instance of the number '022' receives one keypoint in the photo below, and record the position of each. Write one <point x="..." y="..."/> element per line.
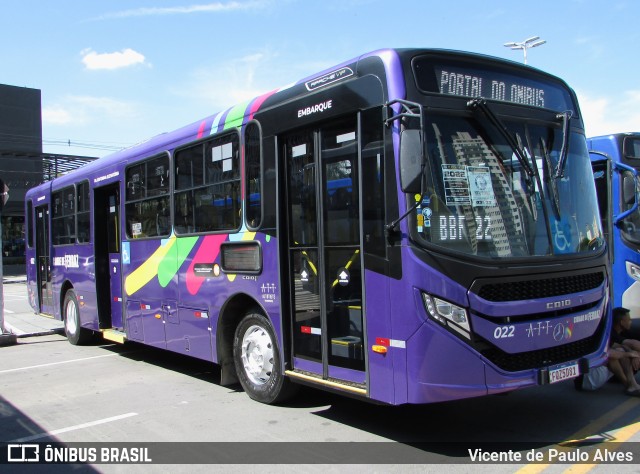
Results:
<point x="504" y="332"/>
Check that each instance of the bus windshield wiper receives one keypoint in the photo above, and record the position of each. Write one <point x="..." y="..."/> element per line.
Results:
<point x="551" y="180"/>
<point x="566" y="117"/>
<point x="481" y="104"/>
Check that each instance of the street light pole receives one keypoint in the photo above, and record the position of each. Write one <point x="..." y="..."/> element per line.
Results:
<point x="526" y="44"/>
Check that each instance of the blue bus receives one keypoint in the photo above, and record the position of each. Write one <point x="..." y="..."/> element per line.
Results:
<point x="409" y="226"/>
<point x="616" y="161"/>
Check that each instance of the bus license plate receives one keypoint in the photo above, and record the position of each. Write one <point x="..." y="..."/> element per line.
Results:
<point x="564" y="373"/>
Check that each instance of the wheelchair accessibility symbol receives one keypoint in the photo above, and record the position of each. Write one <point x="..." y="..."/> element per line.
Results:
<point x="126" y="253"/>
<point x="561" y="237"/>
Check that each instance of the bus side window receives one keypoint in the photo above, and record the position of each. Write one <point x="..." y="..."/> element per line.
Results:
<point x="83" y="213"/>
<point x="63" y="218"/>
<point x="147" y="207"/>
<point x="222" y="162"/>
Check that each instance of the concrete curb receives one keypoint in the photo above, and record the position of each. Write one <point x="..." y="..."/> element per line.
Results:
<point x="16" y="333"/>
<point x="7" y="340"/>
<point x="41" y="333"/>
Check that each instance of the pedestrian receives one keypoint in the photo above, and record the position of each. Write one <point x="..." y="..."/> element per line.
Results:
<point x="619" y="364"/>
<point x="620" y="327"/>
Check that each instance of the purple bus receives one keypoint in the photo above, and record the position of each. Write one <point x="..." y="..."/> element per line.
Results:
<point x="410" y="226"/>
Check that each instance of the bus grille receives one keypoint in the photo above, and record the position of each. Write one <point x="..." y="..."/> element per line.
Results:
<point x="543" y="357"/>
<point x="540" y="288"/>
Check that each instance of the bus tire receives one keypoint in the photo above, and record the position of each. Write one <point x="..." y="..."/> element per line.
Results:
<point x="258" y="361"/>
<point x="76" y="334"/>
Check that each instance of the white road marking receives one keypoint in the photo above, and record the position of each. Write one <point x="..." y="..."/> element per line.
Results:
<point x="72" y="428"/>
<point x="55" y="363"/>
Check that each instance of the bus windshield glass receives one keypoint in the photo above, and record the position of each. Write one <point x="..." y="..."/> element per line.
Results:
<point x="482" y="199"/>
<point x="631" y="149"/>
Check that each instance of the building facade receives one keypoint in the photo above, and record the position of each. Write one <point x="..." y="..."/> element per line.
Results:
<point x="22" y="162"/>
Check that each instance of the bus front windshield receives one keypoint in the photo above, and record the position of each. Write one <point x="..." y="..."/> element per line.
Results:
<point x="490" y="197"/>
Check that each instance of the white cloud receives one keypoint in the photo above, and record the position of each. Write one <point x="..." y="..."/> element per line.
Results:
<point x="605" y="115"/>
<point x="56" y="115"/>
<point x="233" y="82"/>
<point x="228" y="83"/>
<point x="182" y="10"/>
<point x="125" y="58"/>
<point x="84" y="110"/>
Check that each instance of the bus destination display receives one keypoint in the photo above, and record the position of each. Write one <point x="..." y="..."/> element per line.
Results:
<point x="462" y="78"/>
<point x="454" y="82"/>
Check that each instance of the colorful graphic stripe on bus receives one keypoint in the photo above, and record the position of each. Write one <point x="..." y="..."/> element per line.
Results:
<point x="216" y="122"/>
<point x="201" y="128"/>
<point x="170" y="265"/>
<point x="206" y="254"/>
<point x="232" y="117"/>
<point x="166" y="261"/>
<point x="257" y="103"/>
<point x="235" y="115"/>
<point x="145" y="272"/>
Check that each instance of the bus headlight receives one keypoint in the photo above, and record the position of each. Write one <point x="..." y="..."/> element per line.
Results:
<point x="633" y="271"/>
<point x="448" y="314"/>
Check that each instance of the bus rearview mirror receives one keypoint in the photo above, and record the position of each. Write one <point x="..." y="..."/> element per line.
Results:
<point x="411" y="161"/>
<point x="629" y="190"/>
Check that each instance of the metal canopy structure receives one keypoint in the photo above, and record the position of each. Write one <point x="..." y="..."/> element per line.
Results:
<point x="54" y="165"/>
<point x="24" y="170"/>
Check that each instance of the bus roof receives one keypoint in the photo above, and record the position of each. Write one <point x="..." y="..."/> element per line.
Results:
<point x="241" y="113"/>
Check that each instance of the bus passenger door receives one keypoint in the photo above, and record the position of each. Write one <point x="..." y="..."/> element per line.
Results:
<point x="324" y="261"/>
<point x="45" y="291"/>
<point x="107" y="256"/>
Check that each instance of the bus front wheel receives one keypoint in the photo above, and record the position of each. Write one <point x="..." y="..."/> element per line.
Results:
<point x="257" y="361"/>
<point x="76" y="334"/>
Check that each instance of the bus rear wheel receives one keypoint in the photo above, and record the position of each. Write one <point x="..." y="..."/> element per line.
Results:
<point x="257" y="361"/>
<point x="76" y="334"/>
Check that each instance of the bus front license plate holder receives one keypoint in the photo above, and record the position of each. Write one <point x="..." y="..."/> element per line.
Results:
<point x="564" y="372"/>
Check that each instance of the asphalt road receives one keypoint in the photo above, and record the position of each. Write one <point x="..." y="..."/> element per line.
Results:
<point x="51" y="391"/>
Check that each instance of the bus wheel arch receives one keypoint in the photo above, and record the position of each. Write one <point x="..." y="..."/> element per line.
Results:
<point x="76" y="334"/>
<point x="243" y="323"/>
<point x="66" y="286"/>
<point x="231" y="314"/>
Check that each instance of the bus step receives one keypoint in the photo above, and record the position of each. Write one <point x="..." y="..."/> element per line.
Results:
<point x="332" y="383"/>
<point x="114" y="335"/>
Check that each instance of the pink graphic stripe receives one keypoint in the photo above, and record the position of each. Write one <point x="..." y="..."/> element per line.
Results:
<point x="201" y="129"/>
<point x="258" y="103"/>
<point x="207" y="253"/>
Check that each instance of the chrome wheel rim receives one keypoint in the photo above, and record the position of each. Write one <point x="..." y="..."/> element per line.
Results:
<point x="70" y="320"/>
<point x="257" y="354"/>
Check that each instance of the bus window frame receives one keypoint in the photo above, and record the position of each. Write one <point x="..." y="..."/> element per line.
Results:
<point x="128" y="200"/>
<point x="53" y="218"/>
<point x="245" y="165"/>
<point x="29" y="223"/>
<point x="202" y="142"/>
<point x="89" y="212"/>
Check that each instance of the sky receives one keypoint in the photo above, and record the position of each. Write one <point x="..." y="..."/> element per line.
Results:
<point x="114" y="73"/>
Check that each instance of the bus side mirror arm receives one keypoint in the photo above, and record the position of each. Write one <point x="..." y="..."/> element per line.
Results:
<point x="412" y="158"/>
<point x="629" y="193"/>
